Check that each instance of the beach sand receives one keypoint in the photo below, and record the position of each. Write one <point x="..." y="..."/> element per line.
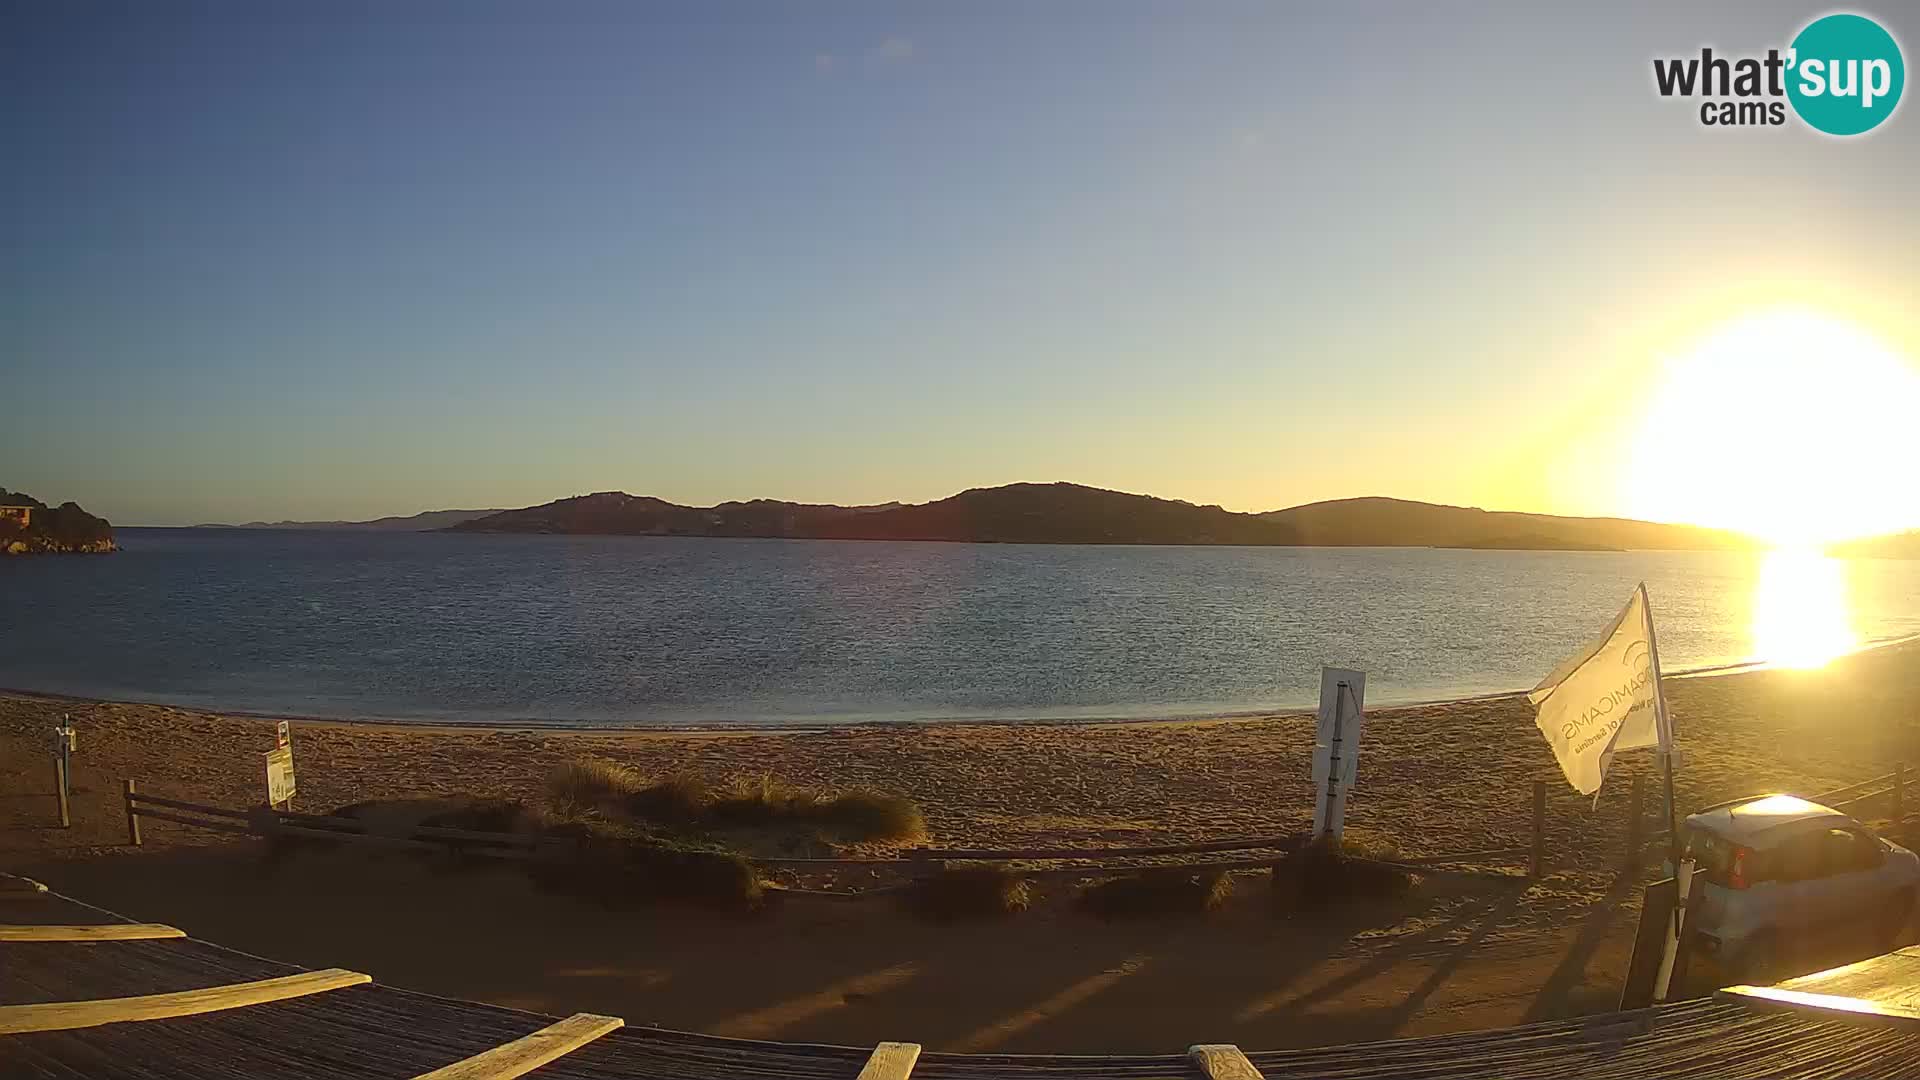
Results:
<point x="1434" y="778"/>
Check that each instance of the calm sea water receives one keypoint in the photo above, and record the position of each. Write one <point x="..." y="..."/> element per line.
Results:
<point x="643" y="630"/>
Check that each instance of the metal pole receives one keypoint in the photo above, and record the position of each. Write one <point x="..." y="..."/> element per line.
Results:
<point x="1666" y="740"/>
<point x="1333" y="755"/>
<point x="1672" y="961"/>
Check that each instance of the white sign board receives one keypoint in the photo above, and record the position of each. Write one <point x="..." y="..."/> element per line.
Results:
<point x="279" y="775"/>
<point x="282" y="735"/>
<point x="1336" y="746"/>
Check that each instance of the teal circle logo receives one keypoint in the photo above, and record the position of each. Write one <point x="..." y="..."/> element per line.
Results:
<point x="1845" y="74"/>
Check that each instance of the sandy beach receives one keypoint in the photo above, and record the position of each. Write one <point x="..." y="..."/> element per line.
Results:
<point x="1435" y="778"/>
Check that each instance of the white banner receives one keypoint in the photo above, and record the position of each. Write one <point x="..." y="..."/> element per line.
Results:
<point x="1604" y="699"/>
<point x="1336" y="746"/>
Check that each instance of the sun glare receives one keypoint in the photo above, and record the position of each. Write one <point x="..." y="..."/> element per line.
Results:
<point x="1801" y="617"/>
<point x="1790" y="425"/>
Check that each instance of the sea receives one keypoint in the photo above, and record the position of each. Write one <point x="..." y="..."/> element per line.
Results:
<point x="593" y="631"/>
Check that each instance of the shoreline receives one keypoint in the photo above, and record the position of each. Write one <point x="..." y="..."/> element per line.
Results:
<point x="814" y="727"/>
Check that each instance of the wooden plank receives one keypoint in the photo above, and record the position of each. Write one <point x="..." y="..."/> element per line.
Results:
<point x="1465" y="856"/>
<point x="1823" y="1006"/>
<point x="522" y="1056"/>
<point x="99" y="932"/>
<point x="127" y="792"/>
<point x="891" y="1061"/>
<point x="1252" y="843"/>
<point x="67" y="1015"/>
<point x="142" y="800"/>
<point x="216" y="826"/>
<point x="1223" y="1061"/>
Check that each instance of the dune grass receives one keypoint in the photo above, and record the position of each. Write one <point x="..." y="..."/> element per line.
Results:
<point x="488" y="816"/>
<point x="1323" y="874"/>
<point x="594" y="785"/>
<point x="865" y="815"/>
<point x="622" y="865"/>
<point x="1170" y="891"/>
<point x="677" y="800"/>
<point x="968" y="892"/>
<point x="586" y="784"/>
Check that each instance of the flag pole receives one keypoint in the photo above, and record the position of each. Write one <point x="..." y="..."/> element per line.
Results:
<point x="1670" y="959"/>
<point x="1665" y="731"/>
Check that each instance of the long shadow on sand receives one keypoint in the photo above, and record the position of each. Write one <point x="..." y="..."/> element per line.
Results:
<point x="1052" y="979"/>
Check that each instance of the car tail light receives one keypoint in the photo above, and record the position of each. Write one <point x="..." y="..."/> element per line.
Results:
<point x="1737" y="873"/>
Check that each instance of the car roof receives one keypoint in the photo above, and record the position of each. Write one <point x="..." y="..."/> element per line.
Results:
<point x="1747" y="820"/>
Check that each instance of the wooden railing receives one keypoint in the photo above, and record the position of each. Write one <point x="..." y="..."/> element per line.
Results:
<point x="1090" y="862"/>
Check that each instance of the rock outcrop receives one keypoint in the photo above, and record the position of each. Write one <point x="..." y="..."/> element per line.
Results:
<point x="31" y="527"/>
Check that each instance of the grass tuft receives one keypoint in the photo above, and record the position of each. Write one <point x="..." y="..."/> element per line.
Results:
<point x="585" y="785"/>
<point x="766" y="800"/>
<point x="1323" y="874"/>
<point x="486" y="815"/>
<point x="968" y="892"/>
<point x="621" y="866"/>
<point x="1170" y="891"/>
<point x="677" y="800"/>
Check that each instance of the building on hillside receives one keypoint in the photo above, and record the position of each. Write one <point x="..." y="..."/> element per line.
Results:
<point x="17" y="516"/>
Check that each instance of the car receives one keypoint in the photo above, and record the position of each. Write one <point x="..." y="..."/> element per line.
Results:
<point x="1778" y="877"/>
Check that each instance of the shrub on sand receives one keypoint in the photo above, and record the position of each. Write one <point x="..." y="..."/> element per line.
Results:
<point x="624" y="867"/>
<point x="584" y="784"/>
<point x="968" y="892"/>
<point x="486" y="815"/>
<point x="1322" y="874"/>
<point x="1169" y="891"/>
<point x="676" y="800"/>
<point x="767" y="800"/>
<point x="873" y="816"/>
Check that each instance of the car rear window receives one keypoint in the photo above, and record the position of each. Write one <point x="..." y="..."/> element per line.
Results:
<point x="1712" y="855"/>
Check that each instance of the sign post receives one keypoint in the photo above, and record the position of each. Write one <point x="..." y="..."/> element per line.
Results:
<point x="280" y="787"/>
<point x="64" y="744"/>
<point x="1336" y="747"/>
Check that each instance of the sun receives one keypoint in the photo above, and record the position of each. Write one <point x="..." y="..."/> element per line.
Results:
<point x="1790" y="424"/>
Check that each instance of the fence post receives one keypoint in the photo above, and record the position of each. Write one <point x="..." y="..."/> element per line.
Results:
<point x="133" y="819"/>
<point x="1635" y="803"/>
<point x="60" y="787"/>
<point x="1899" y="791"/>
<point x="1537" y="864"/>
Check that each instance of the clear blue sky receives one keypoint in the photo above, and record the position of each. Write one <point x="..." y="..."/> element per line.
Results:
<point x="340" y="259"/>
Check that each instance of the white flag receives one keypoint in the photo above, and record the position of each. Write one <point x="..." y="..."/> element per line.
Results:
<point x="1605" y="699"/>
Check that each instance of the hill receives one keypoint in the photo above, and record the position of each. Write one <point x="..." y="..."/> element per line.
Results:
<point x="1014" y="514"/>
<point x="63" y="529"/>
<point x="1904" y="545"/>
<point x="425" y="521"/>
<point x="1382" y="522"/>
<point x="1061" y="513"/>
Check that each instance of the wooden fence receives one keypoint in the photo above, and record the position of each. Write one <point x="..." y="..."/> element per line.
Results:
<point x="1257" y="852"/>
<point x="1249" y="853"/>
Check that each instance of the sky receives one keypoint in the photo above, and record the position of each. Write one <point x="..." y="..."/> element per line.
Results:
<point x="340" y="260"/>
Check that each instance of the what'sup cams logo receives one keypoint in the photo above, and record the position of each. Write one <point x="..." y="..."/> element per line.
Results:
<point x="1842" y="75"/>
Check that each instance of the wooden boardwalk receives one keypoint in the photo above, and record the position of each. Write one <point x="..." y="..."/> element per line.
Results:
<point x="215" y="1021"/>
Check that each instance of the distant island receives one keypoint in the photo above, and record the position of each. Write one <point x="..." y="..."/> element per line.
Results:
<point x="31" y="527"/>
<point x="426" y="521"/>
<point x="1062" y="513"/>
